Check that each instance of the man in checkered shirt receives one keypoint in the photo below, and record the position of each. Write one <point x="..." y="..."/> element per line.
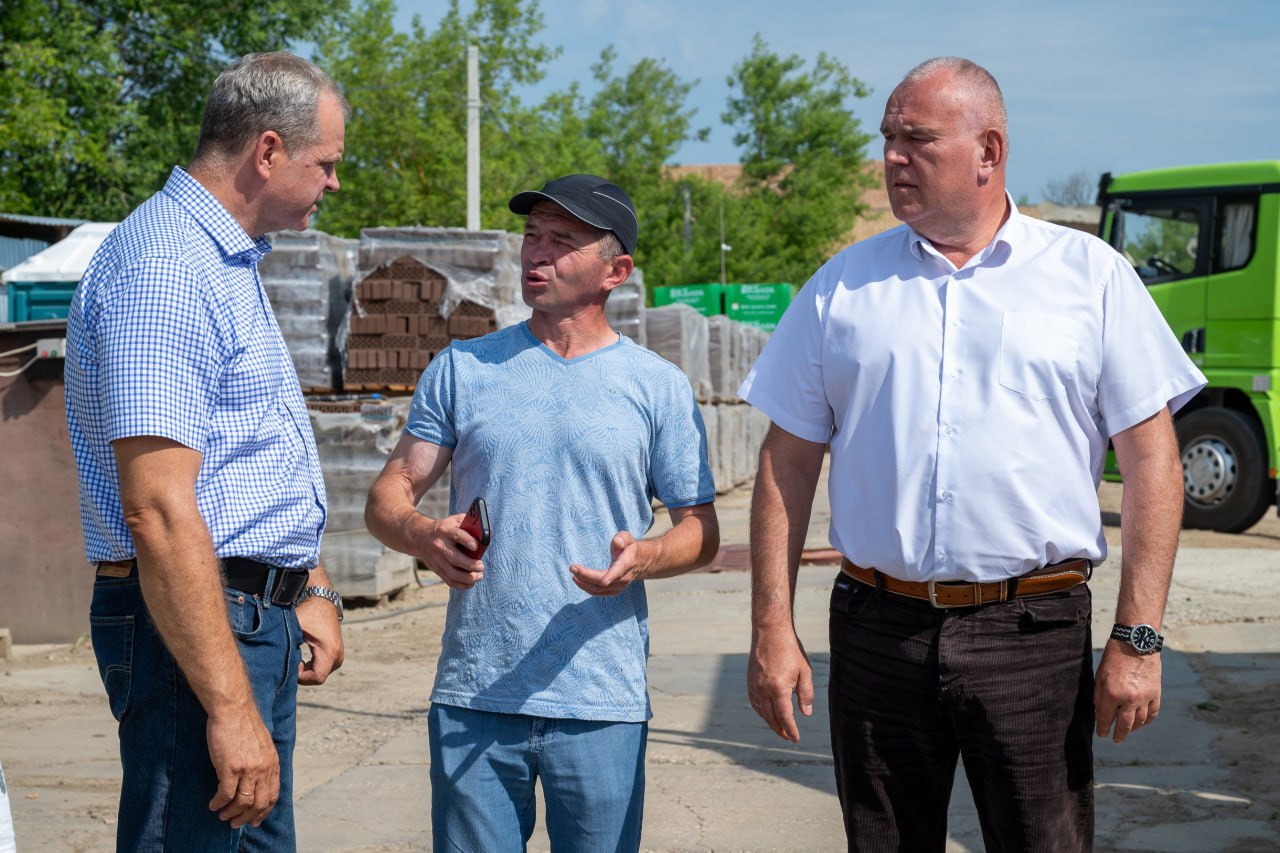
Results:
<point x="201" y="494"/>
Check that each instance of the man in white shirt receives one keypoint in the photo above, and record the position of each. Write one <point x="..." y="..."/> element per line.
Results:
<point x="967" y="370"/>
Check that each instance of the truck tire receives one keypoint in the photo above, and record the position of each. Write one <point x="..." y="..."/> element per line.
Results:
<point x="1224" y="470"/>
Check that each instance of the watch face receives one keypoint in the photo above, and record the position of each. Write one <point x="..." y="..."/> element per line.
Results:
<point x="1144" y="638"/>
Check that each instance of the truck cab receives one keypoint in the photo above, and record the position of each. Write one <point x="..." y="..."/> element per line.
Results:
<point x="1205" y="241"/>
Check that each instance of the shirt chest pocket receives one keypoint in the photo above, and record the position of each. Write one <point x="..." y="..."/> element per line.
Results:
<point x="1037" y="354"/>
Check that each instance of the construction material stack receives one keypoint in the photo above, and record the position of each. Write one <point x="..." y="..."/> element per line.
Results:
<point x="307" y="276"/>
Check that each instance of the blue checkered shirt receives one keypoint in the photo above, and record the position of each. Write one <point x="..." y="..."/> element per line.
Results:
<point x="170" y="334"/>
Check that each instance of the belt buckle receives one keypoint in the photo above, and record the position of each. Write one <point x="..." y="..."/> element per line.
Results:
<point x="288" y="586"/>
<point x="933" y="597"/>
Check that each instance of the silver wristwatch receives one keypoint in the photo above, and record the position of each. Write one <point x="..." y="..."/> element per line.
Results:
<point x="1144" y="639"/>
<point x="325" y="593"/>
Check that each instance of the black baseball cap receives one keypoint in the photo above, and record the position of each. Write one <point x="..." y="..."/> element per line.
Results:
<point x="593" y="200"/>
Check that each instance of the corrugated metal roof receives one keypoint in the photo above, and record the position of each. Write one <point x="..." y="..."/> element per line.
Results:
<point x="41" y="220"/>
<point x="15" y="250"/>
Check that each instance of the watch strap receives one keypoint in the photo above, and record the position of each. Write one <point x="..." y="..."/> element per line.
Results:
<point x="1144" y="639"/>
<point x="327" y="593"/>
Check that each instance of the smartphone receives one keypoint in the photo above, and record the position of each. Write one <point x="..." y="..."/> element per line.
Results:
<point x="476" y="523"/>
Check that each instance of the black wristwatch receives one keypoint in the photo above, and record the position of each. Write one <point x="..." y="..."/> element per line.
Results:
<point x="325" y="593"/>
<point x="1144" y="639"/>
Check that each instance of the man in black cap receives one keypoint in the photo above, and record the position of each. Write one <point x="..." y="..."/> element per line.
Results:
<point x="568" y="430"/>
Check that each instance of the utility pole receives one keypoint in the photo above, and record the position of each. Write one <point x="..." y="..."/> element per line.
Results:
<point x="724" y="247"/>
<point x="473" y="138"/>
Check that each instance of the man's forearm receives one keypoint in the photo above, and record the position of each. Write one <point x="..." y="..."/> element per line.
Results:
<point x="780" y="508"/>
<point x="690" y="543"/>
<point x="182" y="587"/>
<point x="1150" y="519"/>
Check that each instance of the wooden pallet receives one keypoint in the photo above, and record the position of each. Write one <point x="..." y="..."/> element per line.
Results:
<point x="379" y="388"/>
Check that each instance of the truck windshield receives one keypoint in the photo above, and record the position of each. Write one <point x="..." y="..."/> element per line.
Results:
<point x="1161" y="242"/>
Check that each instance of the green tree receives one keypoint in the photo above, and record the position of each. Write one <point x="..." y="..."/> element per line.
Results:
<point x="802" y="164"/>
<point x="407" y="136"/>
<point x="638" y="120"/>
<point x="100" y="98"/>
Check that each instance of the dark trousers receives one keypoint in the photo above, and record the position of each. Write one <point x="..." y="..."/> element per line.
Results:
<point x="1006" y="687"/>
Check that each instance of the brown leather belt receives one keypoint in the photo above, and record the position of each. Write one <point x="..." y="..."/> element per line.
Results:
<point x="944" y="594"/>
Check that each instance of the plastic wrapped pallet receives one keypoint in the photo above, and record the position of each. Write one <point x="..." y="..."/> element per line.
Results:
<point x="307" y="276"/>
<point x="354" y="439"/>
<point x="625" y="308"/>
<point x="678" y="333"/>
<point x="711" y="420"/>
<point x="733" y="445"/>
<point x="724" y="340"/>
<point x="740" y="432"/>
<point x="482" y="267"/>
<point x="395" y="326"/>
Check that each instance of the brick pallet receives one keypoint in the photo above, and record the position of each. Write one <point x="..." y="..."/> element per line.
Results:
<point x="396" y="326"/>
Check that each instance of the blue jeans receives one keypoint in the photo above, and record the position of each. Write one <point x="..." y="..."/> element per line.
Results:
<point x="168" y="777"/>
<point x="483" y="770"/>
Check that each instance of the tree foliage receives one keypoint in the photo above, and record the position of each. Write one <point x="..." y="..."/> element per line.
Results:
<point x="406" y="141"/>
<point x="803" y="167"/>
<point x="99" y="98"/>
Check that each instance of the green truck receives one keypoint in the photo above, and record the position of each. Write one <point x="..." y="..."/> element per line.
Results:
<point x="1206" y="242"/>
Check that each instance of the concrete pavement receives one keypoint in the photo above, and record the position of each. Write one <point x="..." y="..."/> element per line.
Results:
<point x="718" y="779"/>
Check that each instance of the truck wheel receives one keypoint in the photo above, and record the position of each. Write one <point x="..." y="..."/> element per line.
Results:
<point x="1224" y="470"/>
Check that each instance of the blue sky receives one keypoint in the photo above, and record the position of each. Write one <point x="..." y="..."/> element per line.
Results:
<point x="1090" y="85"/>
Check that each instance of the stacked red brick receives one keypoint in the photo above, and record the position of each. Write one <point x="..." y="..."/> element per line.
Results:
<point x="395" y="327"/>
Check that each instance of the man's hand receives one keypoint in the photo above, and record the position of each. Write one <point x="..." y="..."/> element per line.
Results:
<point x="625" y="550"/>
<point x="441" y="552"/>
<point x="247" y="764"/>
<point x="692" y="541"/>
<point x="776" y="668"/>
<point x="323" y="635"/>
<point x="1126" y="691"/>
<point x="392" y="516"/>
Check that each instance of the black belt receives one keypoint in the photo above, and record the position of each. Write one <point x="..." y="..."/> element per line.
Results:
<point x="251" y="576"/>
<point x="239" y="574"/>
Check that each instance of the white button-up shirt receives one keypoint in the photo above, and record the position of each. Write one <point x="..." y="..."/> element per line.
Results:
<point x="969" y="410"/>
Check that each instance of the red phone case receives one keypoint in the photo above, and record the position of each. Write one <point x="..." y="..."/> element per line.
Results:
<point x="476" y="523"/>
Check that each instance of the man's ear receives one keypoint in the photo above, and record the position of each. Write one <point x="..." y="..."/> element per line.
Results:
<point x="620" y="271"/>
<point x="995" y="148"/>
<point x="268" y="152"/>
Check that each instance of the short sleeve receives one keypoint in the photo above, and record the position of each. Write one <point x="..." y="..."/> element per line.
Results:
<point x="1144" y="367"/>
<point x="431" y="414"/>
<point x="161" y="355"/>
<point x="786" y="382"/>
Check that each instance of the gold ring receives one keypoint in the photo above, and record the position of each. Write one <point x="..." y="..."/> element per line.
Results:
<point x="246" y="793"/>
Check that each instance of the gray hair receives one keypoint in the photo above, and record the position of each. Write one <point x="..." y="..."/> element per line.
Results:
<point x="260" y="92"/>
<point x="610" y="246"/>
<point x="977" y="88"/>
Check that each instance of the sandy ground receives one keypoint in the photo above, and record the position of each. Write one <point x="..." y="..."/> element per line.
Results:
<point x="57" y="740"/>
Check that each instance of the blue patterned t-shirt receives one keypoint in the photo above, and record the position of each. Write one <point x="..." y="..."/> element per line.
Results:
<point x="566" y="453"/>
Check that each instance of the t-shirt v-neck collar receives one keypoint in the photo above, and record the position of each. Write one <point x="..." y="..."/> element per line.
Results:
<point x="550" y="353"/>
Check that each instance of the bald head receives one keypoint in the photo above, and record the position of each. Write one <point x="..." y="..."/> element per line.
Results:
<point x="970" y="84"/>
